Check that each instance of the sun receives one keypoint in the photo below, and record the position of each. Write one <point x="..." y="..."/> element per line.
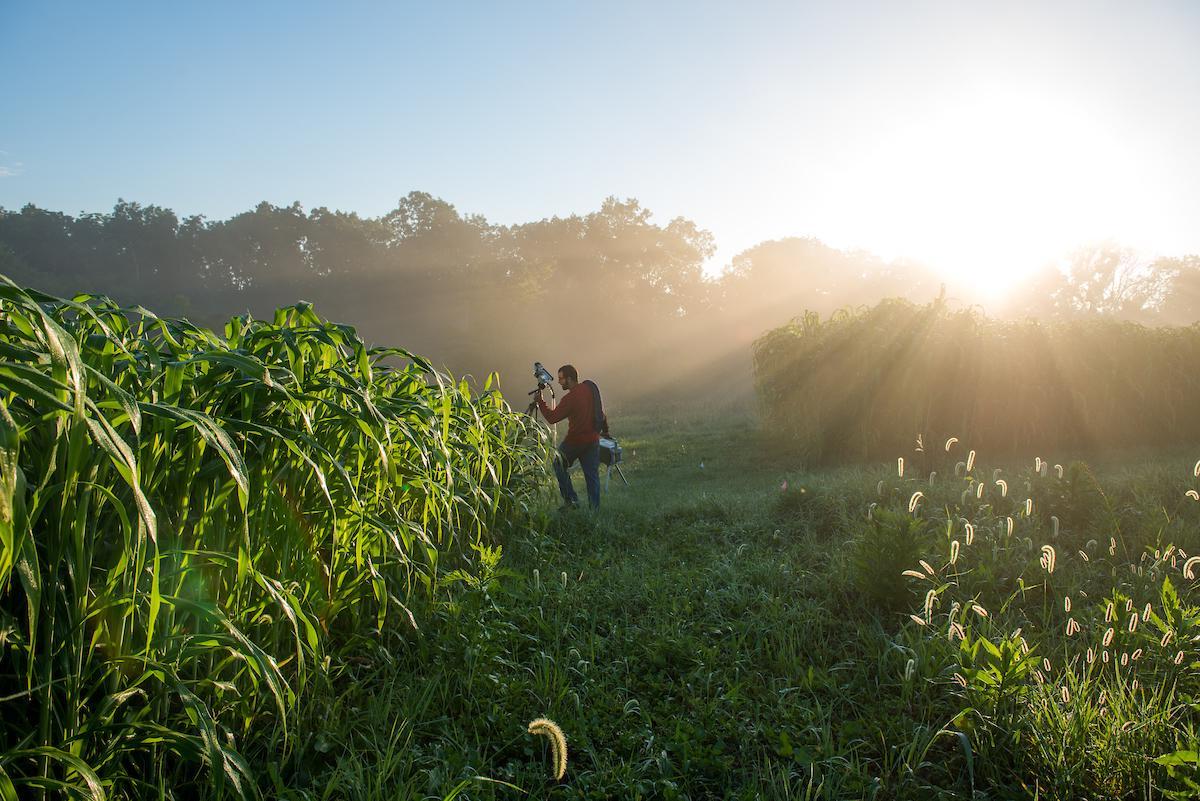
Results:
<point x="990" y="186"/>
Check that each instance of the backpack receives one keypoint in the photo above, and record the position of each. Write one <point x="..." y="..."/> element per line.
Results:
<point x="599" y="419"/>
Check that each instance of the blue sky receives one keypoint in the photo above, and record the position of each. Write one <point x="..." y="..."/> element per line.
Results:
<point x="927" y="130"/>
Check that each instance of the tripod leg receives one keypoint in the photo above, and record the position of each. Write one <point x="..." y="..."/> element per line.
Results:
<point x="621" y="473"/>
<point x="608" y="478"/>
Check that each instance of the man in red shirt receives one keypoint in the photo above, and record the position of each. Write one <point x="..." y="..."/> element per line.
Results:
<point x="582" y="442"/>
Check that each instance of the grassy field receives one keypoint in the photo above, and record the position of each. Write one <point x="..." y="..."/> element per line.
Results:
<point x="717" y="633"/>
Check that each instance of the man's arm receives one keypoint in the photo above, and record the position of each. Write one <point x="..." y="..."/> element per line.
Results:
<point x="560" y="412"/>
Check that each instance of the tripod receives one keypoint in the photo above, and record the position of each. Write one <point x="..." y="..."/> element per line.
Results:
<point x="532" y="408"/>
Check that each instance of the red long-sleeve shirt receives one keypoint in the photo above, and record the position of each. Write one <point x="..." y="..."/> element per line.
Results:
<point x="576" y="407"/>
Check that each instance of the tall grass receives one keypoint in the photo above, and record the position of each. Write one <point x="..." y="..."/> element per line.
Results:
<point x="192" y="524"/>
<point x="863" y="384"/>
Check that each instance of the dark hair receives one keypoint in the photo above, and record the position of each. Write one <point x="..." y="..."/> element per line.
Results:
<point x="570" y="372"/>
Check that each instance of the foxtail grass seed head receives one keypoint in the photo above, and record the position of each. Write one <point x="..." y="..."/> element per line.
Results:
<point x="1091" y="656"/>
<point x="1104" y="657"/>
<point x="914" y="500"/>
<point x="1146" y="612"/>
<point x="1109" y="612"/>
<point x="1133" y="686"/>
<point x="979" y="610"/>
<point x="970" y="532"/>
<point x="1136" y="655"/>
<point x="1189" y="568"/>
<point x="1083" y="555"/>
<point x="1133" y="622"/>
<point x="537" y="579"/>
<point x="959" y="468"/>
<point x="1124" y="659"/>
<point x="1037" y="675"/>
<point x="1037" y="463"/>
<point x="1166" y="638"/>
<point x="953" y="551"/>
<point x="932" y="477"/>
<point x="1196" y="470"/>
<point x="1003" y="485"/>
<point x="1045" y="471"/>
<point x="563" y="577"/>
<point x="979" y="490"/>
<point x="971" y="461"/>
<point x="926" y="566"/>
<point x="900" y="467"/>
<point x="871" y="511"/>
<point x="1112" y="546"/>
<point x="1108" y="636"/>
<point x="1054" y="526"/>
<point x="918" y="620"/>
<point x="1058" y="468"/>
<point x="1067" y="603"/>
<point x="1048" y="558"/>
<point x="1046" y="664"/>
<point x="1008" y="524"/>
<point x="1179" y="658"/>
<point x="1128" y="604"/>
<point x="917" y="574"/>
<point x="910" y="667"/>
<point x="950" y="444"/>
<point x="558" y="743"/>
<point x="961" y="681"/>
<point x="964" y="497"/>
<point x="1066" y="695"/>
<point x="879" y="488"/>
<point x="930" y="599"/>
<point x="1072" y="627"/>
<point x="956" y="630"/>
<point x="1029" y="507"/>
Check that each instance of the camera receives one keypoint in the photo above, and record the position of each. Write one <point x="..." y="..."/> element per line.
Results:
<point x="542" y="375"/>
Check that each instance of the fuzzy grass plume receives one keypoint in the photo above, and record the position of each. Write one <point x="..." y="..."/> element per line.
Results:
<point x="558" y="742"/>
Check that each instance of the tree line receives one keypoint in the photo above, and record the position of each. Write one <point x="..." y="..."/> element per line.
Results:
<point x="615" y="291"/>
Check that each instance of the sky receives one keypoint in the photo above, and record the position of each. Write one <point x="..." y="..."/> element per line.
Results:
<point x="981" y="138"/>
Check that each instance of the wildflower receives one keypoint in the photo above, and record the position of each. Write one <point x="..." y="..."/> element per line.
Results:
<point x="913" y="574"/>
<point x="914" y="500"/>
<point x="950" y="442"/>
<point x="970" y="461"/>
<point x="1108" y="636"/>
<point x="558" y="742"/>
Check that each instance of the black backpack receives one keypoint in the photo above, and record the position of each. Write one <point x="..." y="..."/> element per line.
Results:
<point x="600" y="419"/>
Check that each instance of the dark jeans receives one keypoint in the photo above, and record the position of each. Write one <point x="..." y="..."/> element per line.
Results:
<point x="589" y="460"/>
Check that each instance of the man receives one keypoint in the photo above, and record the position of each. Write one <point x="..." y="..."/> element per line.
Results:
<point x="581" y="408"/>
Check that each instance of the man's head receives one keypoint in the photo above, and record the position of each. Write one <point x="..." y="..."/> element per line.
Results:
<point x="568" y="377"/>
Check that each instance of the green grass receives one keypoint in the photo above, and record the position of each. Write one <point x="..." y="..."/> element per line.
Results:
<point x="710" y="635"/>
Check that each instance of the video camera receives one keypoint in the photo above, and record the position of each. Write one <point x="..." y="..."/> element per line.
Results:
<point x="542" y="375"/>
